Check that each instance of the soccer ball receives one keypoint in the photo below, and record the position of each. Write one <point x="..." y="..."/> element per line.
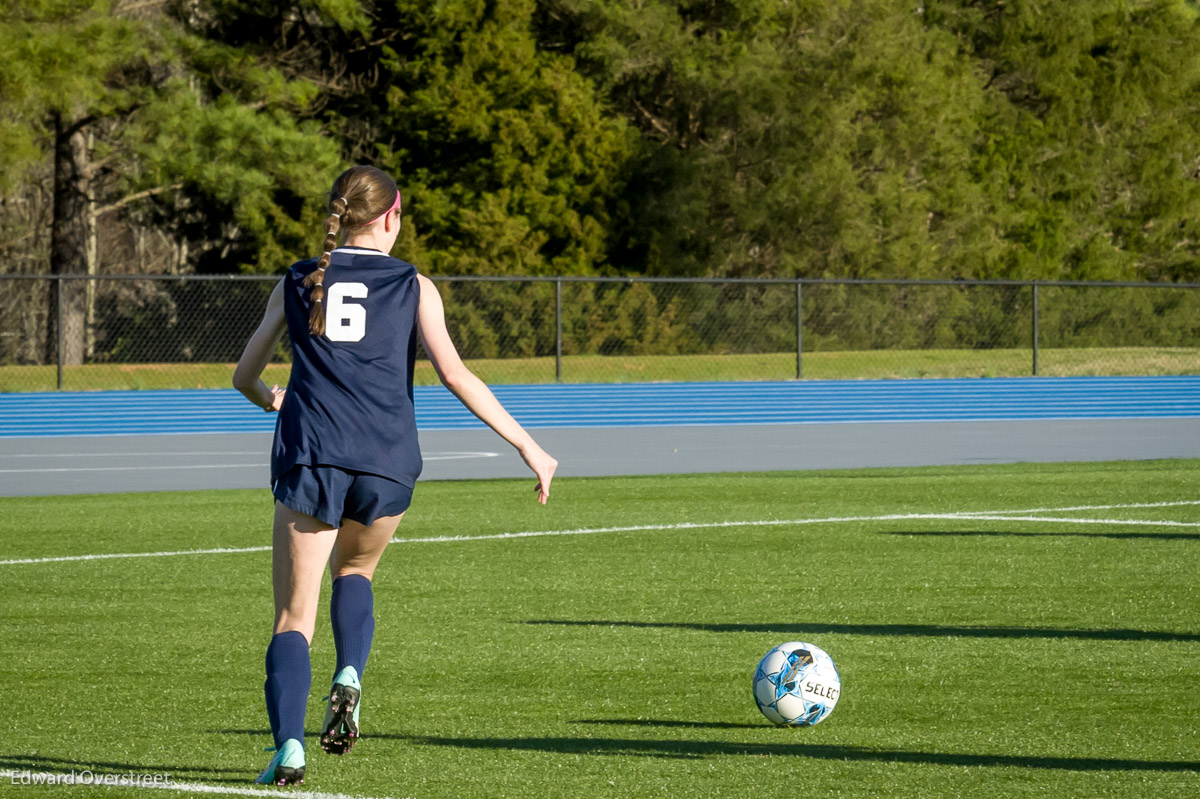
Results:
<point x="796" y="684"/>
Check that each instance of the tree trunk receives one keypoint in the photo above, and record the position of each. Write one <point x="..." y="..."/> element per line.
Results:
<point x="93" y="258"/>
<point x="70" y="235"/>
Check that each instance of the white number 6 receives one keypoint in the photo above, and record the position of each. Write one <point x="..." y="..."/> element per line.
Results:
<point x="345" y="321"/>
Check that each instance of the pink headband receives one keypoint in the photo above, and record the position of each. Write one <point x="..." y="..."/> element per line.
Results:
<point x="395" y="205"/>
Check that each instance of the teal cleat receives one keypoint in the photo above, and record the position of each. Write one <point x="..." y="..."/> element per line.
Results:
<point x="340" y="729"/>
<point x="287" y="767"/>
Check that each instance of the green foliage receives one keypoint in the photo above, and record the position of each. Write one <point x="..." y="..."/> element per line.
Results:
<point x="508" y="161"/>
<point x="1047" y="140"/>
<point x="508" y="155"/>
<point x="185" y="132"/>
<point x="259" y="164"/>
<point x="785" y="140"/>
<point x="1089" y="159"/>
<point x="70" y="58"/>
<point x="1025" y="139"/>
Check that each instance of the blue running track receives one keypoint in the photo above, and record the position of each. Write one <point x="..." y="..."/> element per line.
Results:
<point x="642" y="405"/>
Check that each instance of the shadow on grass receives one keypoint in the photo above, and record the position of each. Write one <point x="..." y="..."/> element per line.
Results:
<point x="700" y="749"/>
<point x="816" y="628"/>
<point x="99" y="768"/>
<point x="691" y="750"/>
<point x="265" y="733"/>
<point x="691" y="725"/>
<point x="1025" y="534"/>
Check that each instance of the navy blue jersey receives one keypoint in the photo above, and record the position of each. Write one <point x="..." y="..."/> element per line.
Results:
<point x="349" y="401"/>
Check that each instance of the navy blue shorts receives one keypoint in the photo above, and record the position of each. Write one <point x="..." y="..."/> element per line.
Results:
<point x="332" y="494"/>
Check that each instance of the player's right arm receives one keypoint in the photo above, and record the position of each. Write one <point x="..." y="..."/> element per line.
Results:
<point x="472" y="391"/>
<point x="259" y="349"/>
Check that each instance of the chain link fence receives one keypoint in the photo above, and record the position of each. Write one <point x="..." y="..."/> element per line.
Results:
<point x="170" y="332"/>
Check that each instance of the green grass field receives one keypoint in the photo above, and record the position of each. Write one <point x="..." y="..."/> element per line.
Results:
<point x="1053" y="653"/>
<point x="849" y="365"/>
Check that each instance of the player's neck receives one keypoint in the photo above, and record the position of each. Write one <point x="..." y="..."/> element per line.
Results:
<point x="349" y="246"/>
<point x="369" y="242"/>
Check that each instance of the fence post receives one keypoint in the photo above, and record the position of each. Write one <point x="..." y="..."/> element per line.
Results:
<point x="558" y="331"/>
<point x="799" y="329"/>
<point x="1035" y="329"/>
<point x="58" y="315"/>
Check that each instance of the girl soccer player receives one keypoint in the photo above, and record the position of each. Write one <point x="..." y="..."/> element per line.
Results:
<point x="345" y="456"/>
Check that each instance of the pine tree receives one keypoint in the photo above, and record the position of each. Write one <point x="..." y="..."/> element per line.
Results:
<point x="129" y="113"/>
<point x="508" y="162"/>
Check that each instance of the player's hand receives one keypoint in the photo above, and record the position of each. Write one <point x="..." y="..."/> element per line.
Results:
<point x="277" y="395"/>
<point x="543" y="466"/>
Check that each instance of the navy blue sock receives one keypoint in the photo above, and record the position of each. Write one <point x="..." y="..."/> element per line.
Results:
<point x="350" y="610"/>
<point x="289" y="677"/>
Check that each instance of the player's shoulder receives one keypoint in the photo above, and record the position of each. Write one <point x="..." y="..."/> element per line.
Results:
<point x="302" y="268"/>
<point x="428" y="289"/>
<point x="392" y="271"/>
<point x="400" y="265"/>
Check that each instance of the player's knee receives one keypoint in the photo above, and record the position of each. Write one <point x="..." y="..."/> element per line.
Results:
<point x="345" y="570"/>
<point x="297" y="620"/>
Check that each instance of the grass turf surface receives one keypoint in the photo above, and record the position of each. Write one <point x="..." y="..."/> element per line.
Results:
<point x="986" y="657"/>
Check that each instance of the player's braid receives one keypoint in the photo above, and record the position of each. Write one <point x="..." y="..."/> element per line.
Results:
<point x="360" y="195"/>
<point x="316" y="279"/>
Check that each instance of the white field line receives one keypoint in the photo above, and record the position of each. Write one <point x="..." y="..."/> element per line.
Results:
<point x="989" y="517"/>
<point x="119" y="555"/>
<point x="635" y="528"/>
<point x="97" y="779"/>
<point x="1126" y="506"/>
<point x="1001" y="515"/>
<point x="291" y="793"/>
<point x="457" y="538"/>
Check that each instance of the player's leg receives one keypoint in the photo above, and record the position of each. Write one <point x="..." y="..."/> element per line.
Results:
<point x="374" y="507"/>
<point x="302" y="545"/>
<point x="356" y="553"/>
<point x="351" y="609"/>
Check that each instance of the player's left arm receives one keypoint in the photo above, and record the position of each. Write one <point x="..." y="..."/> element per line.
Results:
<point x="247" y="377"/>
<point x="472" y="391"/>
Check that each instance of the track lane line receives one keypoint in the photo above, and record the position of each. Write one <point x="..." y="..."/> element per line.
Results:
<point x="436" y="456"/>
